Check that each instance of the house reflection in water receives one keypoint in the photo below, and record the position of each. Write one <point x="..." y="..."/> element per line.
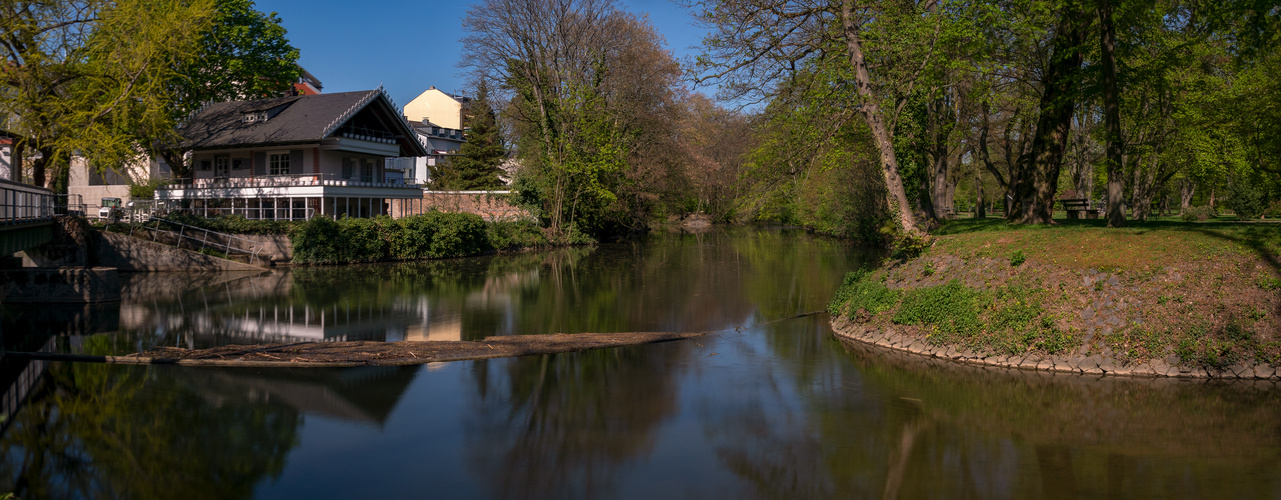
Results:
<point x="248" y="310"/>
<point x="366" y="394"/>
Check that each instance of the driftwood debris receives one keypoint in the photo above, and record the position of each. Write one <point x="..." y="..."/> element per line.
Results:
<point x="363" y="353"/>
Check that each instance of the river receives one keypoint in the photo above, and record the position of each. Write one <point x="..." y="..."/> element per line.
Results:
<point x="763" y="407"/>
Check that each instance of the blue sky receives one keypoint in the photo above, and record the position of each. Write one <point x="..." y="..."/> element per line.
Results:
<point x="410" y="45"/>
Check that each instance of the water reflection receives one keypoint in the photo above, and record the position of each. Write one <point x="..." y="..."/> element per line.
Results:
<point x="93" y="431"/>
<point x="759" y="408"/>
<point x="896" y="426"/>
<point x="587" y="413"/>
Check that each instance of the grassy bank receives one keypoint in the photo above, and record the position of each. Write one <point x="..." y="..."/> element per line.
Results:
<point x="1200" y="294"/>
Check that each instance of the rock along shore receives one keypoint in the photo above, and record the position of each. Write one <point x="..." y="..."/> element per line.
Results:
<point x="1076" y="362"/>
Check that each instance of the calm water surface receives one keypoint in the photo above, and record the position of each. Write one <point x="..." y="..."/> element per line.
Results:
<point x="765" y="407"/>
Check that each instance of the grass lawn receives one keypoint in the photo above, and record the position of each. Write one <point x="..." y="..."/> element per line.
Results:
<point x="1089" y="243"/>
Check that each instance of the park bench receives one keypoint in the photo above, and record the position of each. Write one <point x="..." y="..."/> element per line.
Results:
<point x="1076" y="206"/>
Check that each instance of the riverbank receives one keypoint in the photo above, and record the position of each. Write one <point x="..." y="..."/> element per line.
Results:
<point x="1154" y="299"/>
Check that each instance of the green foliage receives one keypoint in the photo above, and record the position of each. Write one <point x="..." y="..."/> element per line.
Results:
<point x="1193" y="214"/>
<point x="145" y="190"/>
<point x="1245" y="201"/>
<point x="860" y="295"/>
<point x="804" y="172"/>
<point x="433" y="235"/>
<point x="234" y="224"/>
<point x="319" y="241"/>
<point x="1017" y="258"/>
<point x="515" y="235"/>
<point x="949" y="309"/>
<point x="1007" y="320"/>
<point x="481" y="155"/>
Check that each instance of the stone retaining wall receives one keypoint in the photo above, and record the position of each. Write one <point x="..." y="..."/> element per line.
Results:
<point x="127" y="253"/>
<point x="1071" y="363"/>
<point x="489" y="205"/>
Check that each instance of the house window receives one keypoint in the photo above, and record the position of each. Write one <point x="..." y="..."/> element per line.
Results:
<point x="206" y="165"/>
<point x="278" y="163"/>
<point x="367" y="170"/>
<point x="222" y="166"/>
<point x="239" y="163"/>
<point x="346" y="168"/>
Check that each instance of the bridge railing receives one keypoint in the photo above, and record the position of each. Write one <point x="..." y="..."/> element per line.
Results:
<point x="21" y="203"/>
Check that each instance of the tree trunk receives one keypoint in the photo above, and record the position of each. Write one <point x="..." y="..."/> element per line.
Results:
<point x="896" y="196"/>
<point x="1186" y="190"/>
<point x="1037" y="182"/>
<point x="38" y="167"/>
<point x="979" y="210"/>
<point x="15" y="160"/>
<point x="1144" y="189"/>
<point x="1112" y="118"/>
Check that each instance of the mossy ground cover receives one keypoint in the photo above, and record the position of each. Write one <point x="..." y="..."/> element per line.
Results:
<point x="1198" y="294"/>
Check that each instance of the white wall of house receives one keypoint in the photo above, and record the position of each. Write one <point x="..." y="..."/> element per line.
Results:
<point x="437" y="107"/>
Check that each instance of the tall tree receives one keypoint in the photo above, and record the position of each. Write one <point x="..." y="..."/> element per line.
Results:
<point x="243" y="55"/>
<point x="481" y="155"/>
<point x="87" y="76"/>
<point x="888" y="53"/>
<point x="1111" y="113"/>
<point x="586" y="85"/>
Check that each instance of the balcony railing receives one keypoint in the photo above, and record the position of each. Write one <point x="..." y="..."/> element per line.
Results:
<point x="284" y="180"/>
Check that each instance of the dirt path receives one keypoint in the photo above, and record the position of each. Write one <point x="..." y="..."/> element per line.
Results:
<point x="339" y="354"/>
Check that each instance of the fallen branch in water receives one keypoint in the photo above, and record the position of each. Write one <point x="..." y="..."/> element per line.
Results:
<point x="364" y="353"/>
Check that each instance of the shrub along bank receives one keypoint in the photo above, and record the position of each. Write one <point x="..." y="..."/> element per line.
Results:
<point x="1191" y="295"/>
<point x="433" y="235"/>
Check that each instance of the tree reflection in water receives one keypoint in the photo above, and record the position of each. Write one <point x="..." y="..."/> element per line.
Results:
<point x="104" y="431"/>
<point x="897" y="426"/>
<point x="559" y="426"/>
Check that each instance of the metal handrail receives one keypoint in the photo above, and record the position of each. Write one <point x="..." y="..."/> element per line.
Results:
<point x="21" y="203"/>
<point x="204" y="234"/>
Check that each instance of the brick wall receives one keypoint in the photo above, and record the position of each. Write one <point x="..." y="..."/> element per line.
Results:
<point x="490" y="205"/>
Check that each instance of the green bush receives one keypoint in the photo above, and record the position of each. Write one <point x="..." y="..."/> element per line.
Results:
<point x="860" y="294"/>
<point x="1245" y="201"/>
<point x="235" y="224"/>
<point x="514" y="235"/>
<point x="950" y="309"/>
<point x="457" y="235"/>
<point x="318" y="241"/>
<point x="1017" y="258"/>
<point x="428" y="236"/>
<point x="1193" y="214"/>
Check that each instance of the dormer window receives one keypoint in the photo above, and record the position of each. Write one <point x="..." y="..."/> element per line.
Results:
<point x="253" y="117"/>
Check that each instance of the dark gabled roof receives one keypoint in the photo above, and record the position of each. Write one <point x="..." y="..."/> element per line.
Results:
<point x="292" y="120"/>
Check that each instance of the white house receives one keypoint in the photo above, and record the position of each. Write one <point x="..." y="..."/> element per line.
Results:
<point x="296" y="157"/>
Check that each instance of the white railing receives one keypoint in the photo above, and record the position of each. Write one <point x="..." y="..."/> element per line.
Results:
<point x="199" y="239"/>
<point x="24" y="203"/>
<point x="283" y="180"/>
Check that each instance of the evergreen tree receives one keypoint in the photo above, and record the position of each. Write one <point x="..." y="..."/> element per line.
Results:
<point x="478" y="166"/>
